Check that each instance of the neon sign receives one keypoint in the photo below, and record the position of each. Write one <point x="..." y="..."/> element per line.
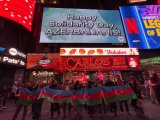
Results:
<point x="15" y="52"/>
<point x="12" y="60"/>
<point x="98" y="63"/>
<point x="20" y="11"/>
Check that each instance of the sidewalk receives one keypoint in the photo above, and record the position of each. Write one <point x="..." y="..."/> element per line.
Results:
<point x="152" y="112"/>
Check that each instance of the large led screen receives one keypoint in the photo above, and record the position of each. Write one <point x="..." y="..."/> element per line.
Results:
<point x="20" y="11"/>
<point x="142" y="26"/>
<point x="61" y="25"/>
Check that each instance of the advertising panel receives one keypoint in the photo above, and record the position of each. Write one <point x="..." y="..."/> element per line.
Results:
<point x="60" y="25"/>
<point x="142" y="25"/>
<point x="98" y="51"/>
<point x="43" y="61"/>
<point x="69" y="63"/>
<point x="20" y="11"/>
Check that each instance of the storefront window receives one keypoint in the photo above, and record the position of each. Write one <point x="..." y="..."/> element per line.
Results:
<point x="44" y="76"/>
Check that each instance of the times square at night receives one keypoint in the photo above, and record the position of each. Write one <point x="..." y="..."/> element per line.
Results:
<point x="79" y="59"/>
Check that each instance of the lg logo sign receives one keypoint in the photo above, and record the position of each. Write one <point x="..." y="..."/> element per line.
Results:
<point x="14" y="52"/>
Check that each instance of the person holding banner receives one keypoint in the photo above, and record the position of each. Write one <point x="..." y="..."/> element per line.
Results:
<point x="90" y="108"/>
<point x="112" y="105"/>
<point x="55" y="106"/>
<point x="133" y="84"/>
<point x="37" y="104"/>
<point x="120" y="82"/>
<point x="21" y="104"/>
<point x="67" y="87"/>
<point x="77" y="86"/>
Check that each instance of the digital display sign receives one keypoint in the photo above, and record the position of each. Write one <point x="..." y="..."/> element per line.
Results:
<point x="43" y="61"/>
<point x="142" y="26"/>
<point x="69" y="63"/>
<point x="20" y="11"/>
<point x="60" y="25"/>
<point x="98" y="51"/>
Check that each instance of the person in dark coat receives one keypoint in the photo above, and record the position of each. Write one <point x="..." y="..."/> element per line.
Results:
<point x="20" y="105"/>
<point x="77" y="86"/>
<point x="4" y="96"/>
<point x="90" y="108"/>
<point x="120" y="82"/>
<point x="133" y="84"/>
<point x="113" y="105"/>
<point x="54" y="106"/>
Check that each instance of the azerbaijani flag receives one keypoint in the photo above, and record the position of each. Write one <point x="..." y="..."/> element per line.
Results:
<point x="56" y="96"/>
<point x="90" y="97"/>
<point x="28" y="97"/>
<point x="118" y="93"/>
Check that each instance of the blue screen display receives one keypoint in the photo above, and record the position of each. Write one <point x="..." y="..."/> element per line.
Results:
<point x="142" y="26"/>
<point x="61" y="25"/>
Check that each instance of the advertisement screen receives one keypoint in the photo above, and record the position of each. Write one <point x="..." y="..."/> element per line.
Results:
<point x="142" y="26"/>
<point x="20" y="11"/>
<point x="43" y="61"/>
<point x="61" y="25"/>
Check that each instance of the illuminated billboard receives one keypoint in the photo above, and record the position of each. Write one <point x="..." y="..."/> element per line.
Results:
<point x="142" y="25"/>
<point x="98" y="51"/>
<point x="43" y="61"/>
<point x="20" y="11"/>
<point x="94" y="63"/>
<point x="60" y="25"/>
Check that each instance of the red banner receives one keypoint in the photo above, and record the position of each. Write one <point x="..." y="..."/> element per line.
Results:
<point x="99" y="63"/>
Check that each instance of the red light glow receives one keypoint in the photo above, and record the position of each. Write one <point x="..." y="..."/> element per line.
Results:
<point x="20" y="11"/>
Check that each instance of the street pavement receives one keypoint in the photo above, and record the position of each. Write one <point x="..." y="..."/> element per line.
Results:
<point x="151" y="111"/>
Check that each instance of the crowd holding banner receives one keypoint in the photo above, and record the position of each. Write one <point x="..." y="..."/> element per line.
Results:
<point x="91" y="96"/>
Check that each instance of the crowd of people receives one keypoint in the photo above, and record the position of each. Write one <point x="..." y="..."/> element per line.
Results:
<point x="152" y="86"/>
<point x="102" y="108"/>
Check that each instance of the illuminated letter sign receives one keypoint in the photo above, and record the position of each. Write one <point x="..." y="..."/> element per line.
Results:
<point x="15" y="52"/>
<point x="131" y="26"/>
<point x="12" y="60"/>
<point x="99" y="63"/>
